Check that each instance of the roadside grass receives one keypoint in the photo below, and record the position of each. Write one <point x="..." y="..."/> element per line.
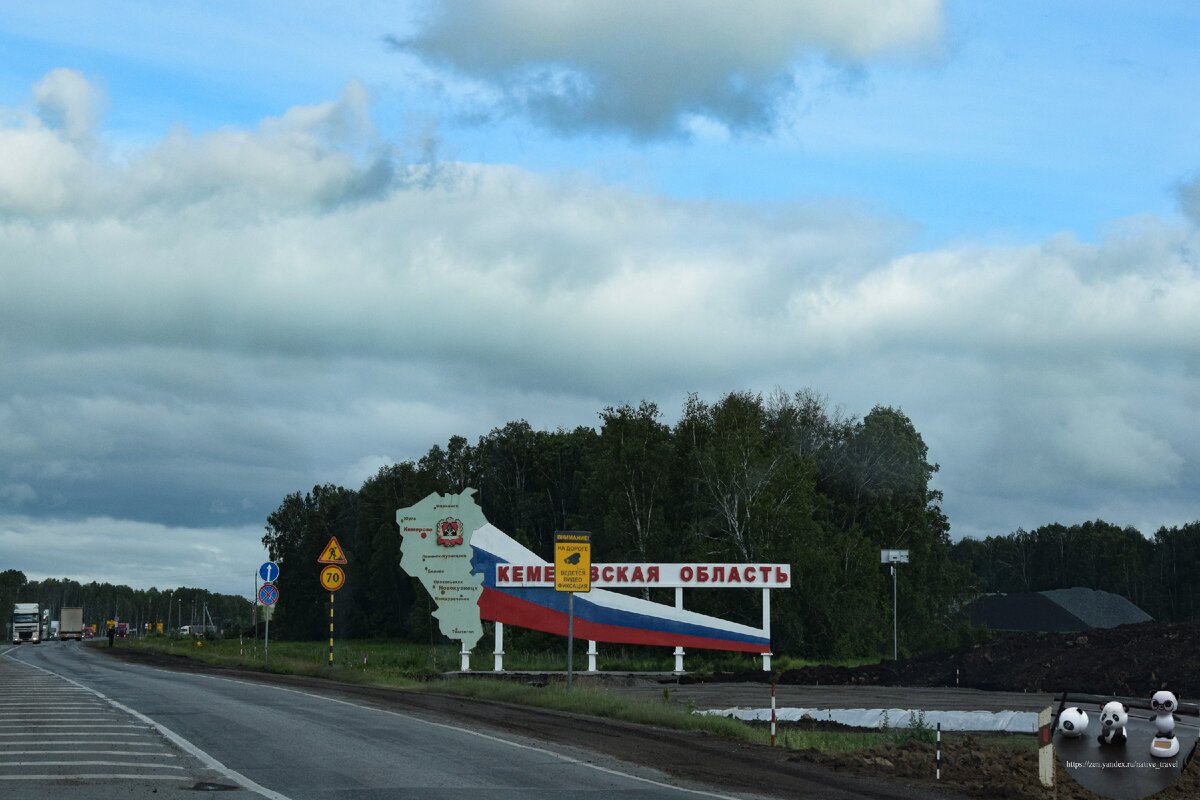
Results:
<point x="411" y="666"/>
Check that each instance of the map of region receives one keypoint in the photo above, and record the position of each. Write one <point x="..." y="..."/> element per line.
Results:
<point x="435" y="548"/>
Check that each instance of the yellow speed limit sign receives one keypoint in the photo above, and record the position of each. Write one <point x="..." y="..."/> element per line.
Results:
<point x="332" y="577"/>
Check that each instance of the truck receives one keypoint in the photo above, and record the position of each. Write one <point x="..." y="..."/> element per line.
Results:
<point x="26" y="623"/>
<point x="70" y="624"/>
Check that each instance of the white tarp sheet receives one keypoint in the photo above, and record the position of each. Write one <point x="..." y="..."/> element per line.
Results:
<point x="993" y="721"/>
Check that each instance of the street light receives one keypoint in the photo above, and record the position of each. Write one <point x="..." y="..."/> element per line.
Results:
<point x="892" y="558"/>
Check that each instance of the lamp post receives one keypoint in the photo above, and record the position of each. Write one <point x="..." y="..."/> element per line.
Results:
<point x="892" y="558"/>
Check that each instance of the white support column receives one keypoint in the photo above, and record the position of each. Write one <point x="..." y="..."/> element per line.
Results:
<point x="766" y="657"/>
<point x="679" y="650"/>
<point x="591" y="654"/>
<point x="498" y="653"/>
<point x="464" y="664"/>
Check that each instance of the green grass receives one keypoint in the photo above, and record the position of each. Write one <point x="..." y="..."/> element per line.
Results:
<point x="411" y="666"/>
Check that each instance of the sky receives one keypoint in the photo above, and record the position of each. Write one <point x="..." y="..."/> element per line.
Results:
<point x="250" y="248"/>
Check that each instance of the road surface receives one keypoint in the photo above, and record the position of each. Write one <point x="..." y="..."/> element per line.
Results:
<point x="294" y="737"/>
<point x="89" y="726"/>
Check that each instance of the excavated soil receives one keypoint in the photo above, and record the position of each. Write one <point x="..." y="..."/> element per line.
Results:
<point x="1131" y="660"/>
<point x="1102" y="662"/>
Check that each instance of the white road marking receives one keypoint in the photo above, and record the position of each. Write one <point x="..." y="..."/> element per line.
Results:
<point x="135" y="765"/>
<point x="35" y="727"/>
<point x="87" y="752"/>
<point x="210" y="762"/>
<point x="57" y="742"/>
<point x="90" y="776"/>
<point x="70" y="733"/>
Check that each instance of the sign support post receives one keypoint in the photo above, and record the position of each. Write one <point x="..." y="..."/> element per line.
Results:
<point x="892" y="558"/>
<point x="570" y="638"/>
<point x="333" y="577"/>
<point x="268" y="595"/>
<point x="572" y="573"/>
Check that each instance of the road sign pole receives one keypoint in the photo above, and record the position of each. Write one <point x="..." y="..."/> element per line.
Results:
<point x="267" y="637"/>
<point x="331" y="629"/>
<point x="570" y="638"/>
<point x="895" y="625"/>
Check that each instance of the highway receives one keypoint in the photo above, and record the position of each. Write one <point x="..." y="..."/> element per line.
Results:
<point x="77" y="724"/>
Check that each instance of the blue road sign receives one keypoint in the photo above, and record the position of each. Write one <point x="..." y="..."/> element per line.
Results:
<point x="269" y="572"/>
<point x="268" y="593"/>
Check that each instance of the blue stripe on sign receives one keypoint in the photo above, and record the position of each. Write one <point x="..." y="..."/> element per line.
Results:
<point x="484" y="562"/>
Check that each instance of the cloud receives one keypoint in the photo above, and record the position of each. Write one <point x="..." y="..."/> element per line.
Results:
<point x="1189" y="199"/>
<point x="137" y="554"/>
<point x="195" y="330"/>
<point x="649" y="69"/>
<point x="324" y="155"/>
<point x="68" y="102"/>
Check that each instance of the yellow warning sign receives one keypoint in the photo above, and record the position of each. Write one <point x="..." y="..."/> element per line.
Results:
<point x="333" y="553"/>
<point x="333" y="578"/>
<point x="572" y="561"/>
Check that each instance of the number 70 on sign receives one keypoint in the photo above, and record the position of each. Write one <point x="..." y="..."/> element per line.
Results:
<point x="333" y="577"/>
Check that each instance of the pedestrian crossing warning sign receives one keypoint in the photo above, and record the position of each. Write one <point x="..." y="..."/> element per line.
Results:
<point x="333" y="553"/>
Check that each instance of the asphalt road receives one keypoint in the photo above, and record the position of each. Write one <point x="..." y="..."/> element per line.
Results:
<point x="87" y="726"/>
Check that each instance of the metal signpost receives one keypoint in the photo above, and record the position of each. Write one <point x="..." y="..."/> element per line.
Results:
<point x="268" y="595"/>
<point x="333" y="577"/>
<point x="892" y="558"/>
<point x="572" y="573"/>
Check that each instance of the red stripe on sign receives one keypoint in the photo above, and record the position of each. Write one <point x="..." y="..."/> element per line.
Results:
<point x="498" y="606"/>
<point x="1044" y="735"/>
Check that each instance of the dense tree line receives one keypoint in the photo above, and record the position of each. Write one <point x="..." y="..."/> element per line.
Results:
<point x="1159" y="574"/>
<point x="747" y="478"/>
<point x="104" y="601"/>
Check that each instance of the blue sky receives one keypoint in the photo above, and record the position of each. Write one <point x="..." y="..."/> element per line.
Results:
<point x="223" y="225"/>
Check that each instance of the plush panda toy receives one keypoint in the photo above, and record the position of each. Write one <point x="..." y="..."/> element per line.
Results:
<point x="1164" y="744"/>
<point x="1072" y="722"/>
<point x="1113" y="719"/>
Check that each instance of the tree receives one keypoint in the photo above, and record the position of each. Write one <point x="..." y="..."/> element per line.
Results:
<point x="628" y="475"/>
<point x="295" y="534"/>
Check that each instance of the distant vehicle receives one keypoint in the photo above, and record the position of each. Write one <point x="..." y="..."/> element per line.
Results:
<point x="26" y="623"/>
<point x="192" y="630"/>
<point x="70" y="624"/>
<point x="53" y="632"/>
<point x="122" y="630"/>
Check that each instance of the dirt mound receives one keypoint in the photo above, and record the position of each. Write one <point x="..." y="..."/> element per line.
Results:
<point x="1131" y="660"/>
<point x="980" y="770"/>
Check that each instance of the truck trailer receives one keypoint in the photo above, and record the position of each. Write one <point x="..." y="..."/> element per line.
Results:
<point x="70" y="624"/>
<point x="26" y="623"/>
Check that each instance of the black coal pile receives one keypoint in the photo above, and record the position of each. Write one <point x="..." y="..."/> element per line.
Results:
<point x="1131" y="660"/>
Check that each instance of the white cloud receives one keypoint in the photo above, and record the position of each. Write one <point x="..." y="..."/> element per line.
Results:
<point x="68" y="102"/>
<point x="648" y="68"/>
<point x="137" y="554"/>
<point x="1189" y="199"/>
<point x="190" y="333"/>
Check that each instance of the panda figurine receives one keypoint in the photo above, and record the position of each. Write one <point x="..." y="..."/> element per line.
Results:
<point x="1072" y="722"/>
<point x="1113" y="719"/>
<point x="1164" y="744"/>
